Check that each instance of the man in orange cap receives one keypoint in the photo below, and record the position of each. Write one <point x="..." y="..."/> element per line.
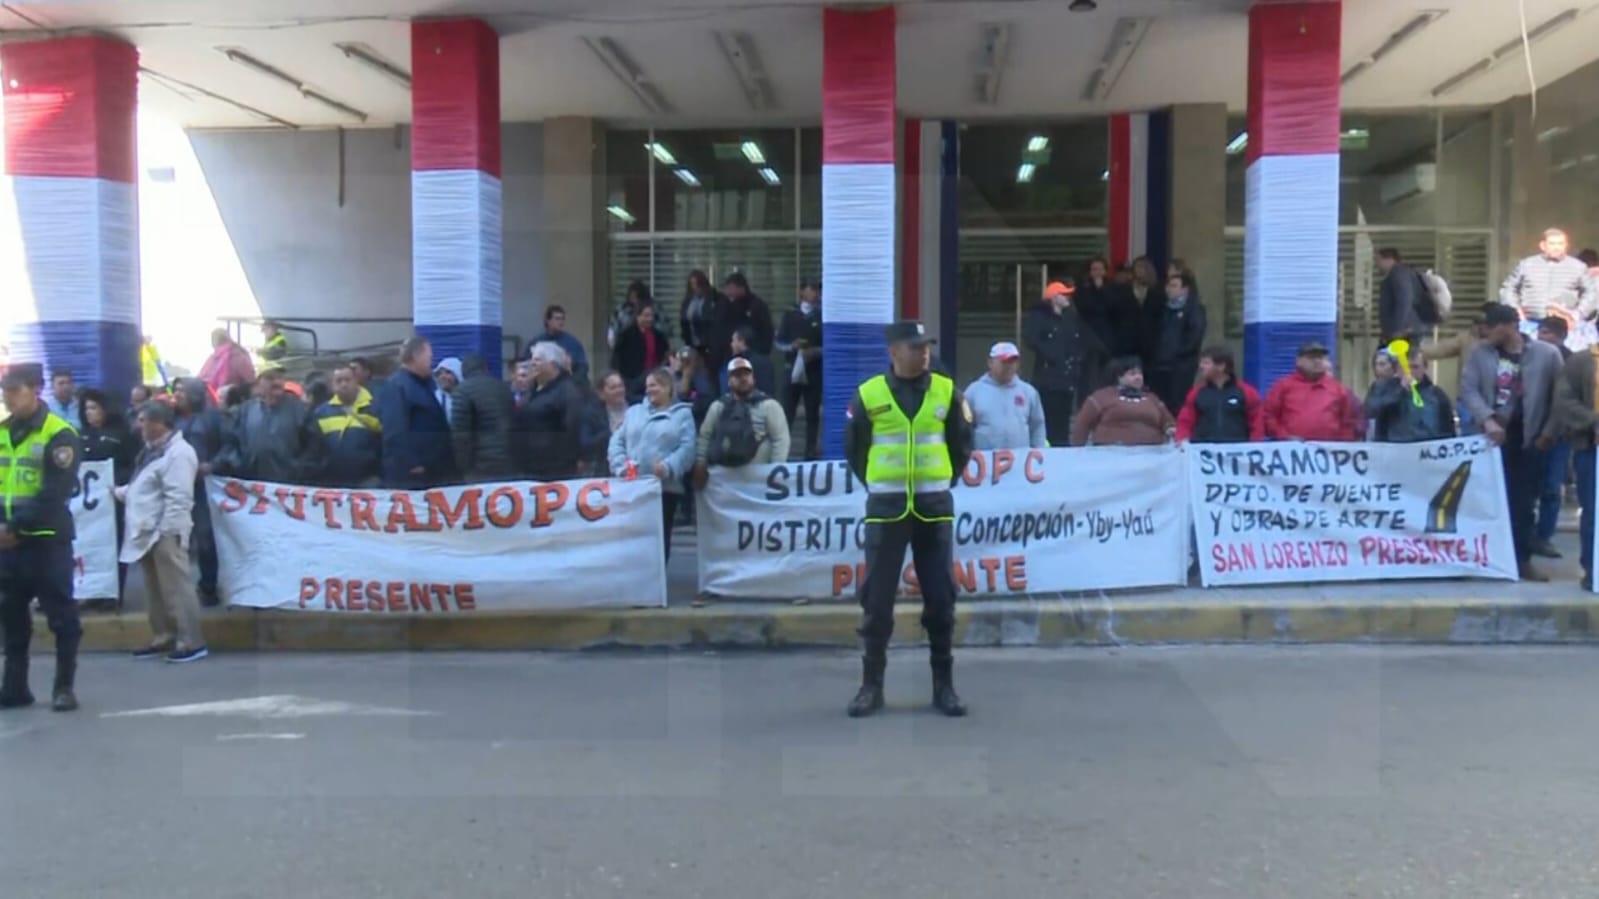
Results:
<point x="1062" y="348"/>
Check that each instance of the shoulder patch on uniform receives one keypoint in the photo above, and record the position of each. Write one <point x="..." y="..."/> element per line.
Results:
<point x="63" y="455"/>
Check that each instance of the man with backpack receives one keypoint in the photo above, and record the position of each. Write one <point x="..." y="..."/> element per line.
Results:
<point x="1410" y="303"/>
<point x="743" y="427"/>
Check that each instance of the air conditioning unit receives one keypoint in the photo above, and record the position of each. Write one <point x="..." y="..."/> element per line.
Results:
<point x="1412" y="182"/>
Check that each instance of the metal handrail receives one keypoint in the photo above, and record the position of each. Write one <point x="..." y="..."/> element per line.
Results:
<point x="236" y="323"/>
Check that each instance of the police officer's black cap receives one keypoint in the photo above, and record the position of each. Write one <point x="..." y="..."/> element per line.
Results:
<point x="911" y="332"/>
<point x="23" y="374"/>
<point x="1312" y="348"/>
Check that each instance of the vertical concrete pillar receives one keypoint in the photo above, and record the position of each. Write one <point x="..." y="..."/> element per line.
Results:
<point x="1198" y="219"/>
<point x="575" y="250"/>
<point x="69" y="223"/>
<point x="456" y="239"/>
<point x="1291" y="194"/>
<point x="859" y="132"/>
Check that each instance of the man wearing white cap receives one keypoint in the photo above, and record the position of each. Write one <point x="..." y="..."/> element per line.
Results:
<point x="1007" y="412"/>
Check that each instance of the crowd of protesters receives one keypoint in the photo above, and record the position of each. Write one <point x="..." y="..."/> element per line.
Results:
<point x="1120" y="361"/>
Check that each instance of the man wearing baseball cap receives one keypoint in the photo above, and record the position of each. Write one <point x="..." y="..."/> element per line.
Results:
<point x="908" y="439"/>
<point x="1065" y="352"/>
<point x="39" y="455"/>
<point x="1006" y="411"/>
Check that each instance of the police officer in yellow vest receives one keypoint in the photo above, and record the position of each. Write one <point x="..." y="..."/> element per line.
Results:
<point x="38" y="474"/>
<point x="908" y="439"/>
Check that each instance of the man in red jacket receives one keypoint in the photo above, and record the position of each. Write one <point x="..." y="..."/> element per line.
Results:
<point x="1310" y="404"/>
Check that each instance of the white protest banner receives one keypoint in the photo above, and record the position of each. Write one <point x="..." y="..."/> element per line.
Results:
<point x="1297" y="512"/>
<point x="94" y="541"/>
<point x="492" y="547"/>
<point x="1027" y="521"/>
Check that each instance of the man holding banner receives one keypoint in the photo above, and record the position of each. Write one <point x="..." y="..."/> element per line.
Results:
<point x="909" y="437"/>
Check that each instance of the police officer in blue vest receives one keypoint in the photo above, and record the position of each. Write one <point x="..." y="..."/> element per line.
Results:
<point x="908" y="439"/>
<point x="39" y="455"/>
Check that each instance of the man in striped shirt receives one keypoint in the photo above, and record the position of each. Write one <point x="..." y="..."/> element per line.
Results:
<point x="1550" y="280"/>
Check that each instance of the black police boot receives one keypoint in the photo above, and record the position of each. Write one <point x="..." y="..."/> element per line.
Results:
<point x="945" y="699"/>
<point x="869" y="700"/>
<point x="62" y="698"/>
<point x="14" y="692"/>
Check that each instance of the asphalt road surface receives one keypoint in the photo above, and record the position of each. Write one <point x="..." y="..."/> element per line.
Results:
<point x="1207" y="772"/>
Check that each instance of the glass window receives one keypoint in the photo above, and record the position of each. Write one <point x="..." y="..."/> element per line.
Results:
<point x="627" y="181"/>
<point x="1034" y="176"/>
<point x="1389" y="170"/>
<point x="811" y="179"/>
<point x="1237" y="165"/>
<point x="1574" y="183"/>
<point x="732" y="180"/>
<point x="1464" y="168"/>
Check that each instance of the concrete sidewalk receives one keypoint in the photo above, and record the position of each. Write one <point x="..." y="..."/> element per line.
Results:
<point x="1386" y="612"/>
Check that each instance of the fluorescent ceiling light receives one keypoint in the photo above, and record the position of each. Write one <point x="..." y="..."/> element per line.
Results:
<point x="1549" y="134"/>
<point x="770" y="177"/>
<point x="1105" y="176"/>
<point x="687" y="177"/>
<point x="627" y="70"/>
<point x="1508" y="50"/>
<point x="992" y="58"/>
<point x="661" y="154"/>
<point x="752" y="152"/>
<point x="1406" y="31"/>
<point x="1238" y="144"/>
<point x="373" y="60"/>
<point x="1037" y="144"/>
<point x="620" y="212"/>
<point x="742" y="56"/>
<point x="1024" y="173"/>
<point x="1124" y="41"/>
<point x="305" y="90"/>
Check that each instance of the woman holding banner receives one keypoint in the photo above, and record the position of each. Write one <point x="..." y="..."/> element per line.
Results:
<point x="657" y="440"/>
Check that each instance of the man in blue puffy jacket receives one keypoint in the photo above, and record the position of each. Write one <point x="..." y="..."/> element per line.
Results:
<point x="416" y="434"/>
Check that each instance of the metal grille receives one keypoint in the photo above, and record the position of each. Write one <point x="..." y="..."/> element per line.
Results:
<point x="1461" y="256"/>
<point x="774" y="262"/>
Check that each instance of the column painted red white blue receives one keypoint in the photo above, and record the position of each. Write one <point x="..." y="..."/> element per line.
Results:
<point x="1140" y="187"/>
<point x="928" y="229"/>
<point x="858" y="217"/>
<point x="456" y="243"/>
<point x="69" y="223"/>
<point x="1291" y="186"/>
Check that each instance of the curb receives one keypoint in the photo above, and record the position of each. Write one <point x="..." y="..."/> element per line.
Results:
<point x="1035" y="623"/>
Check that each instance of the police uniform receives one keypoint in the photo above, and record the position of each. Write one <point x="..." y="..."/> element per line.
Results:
<point x="39" y="455"/>
<point x="908" y="440"/>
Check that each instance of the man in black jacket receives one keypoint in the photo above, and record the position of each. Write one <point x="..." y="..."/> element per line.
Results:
<point x="549" y="426"/>
<point x="480" y="423"/>
<point x="1060" y="345"/>
<point x="274" y="437"/>
<point x="1177" y="333"/>
<point x="741" y="309"/>
<point x="801" y="335"/>
<point x="417" y="453"/>
<point x="1397" y="311"/>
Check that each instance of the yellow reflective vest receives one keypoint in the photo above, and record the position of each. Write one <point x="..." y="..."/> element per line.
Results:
<point x="907" y="456"/>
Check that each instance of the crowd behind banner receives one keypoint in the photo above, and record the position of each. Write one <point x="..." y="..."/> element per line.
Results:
<point x="1117" y="361"/>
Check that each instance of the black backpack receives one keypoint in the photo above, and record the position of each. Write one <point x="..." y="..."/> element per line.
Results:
<point x="734" y="443"/>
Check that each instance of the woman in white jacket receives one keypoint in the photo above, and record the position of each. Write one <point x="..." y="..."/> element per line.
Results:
<point x="160" y="510"/>
<point x="656" y="439"/>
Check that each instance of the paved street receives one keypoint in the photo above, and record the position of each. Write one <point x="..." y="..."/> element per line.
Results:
<point x="1209" y="772"/>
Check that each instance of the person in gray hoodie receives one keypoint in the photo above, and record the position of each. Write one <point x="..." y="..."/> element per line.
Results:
<point x="656" y="439"/>
<point x="1007" y="412"/>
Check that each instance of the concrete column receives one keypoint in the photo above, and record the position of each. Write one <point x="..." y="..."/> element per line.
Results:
<point x="457" y="249"/>
<point x="1198" y="218"/>
<point x="1291" y="198"/>
<point x="575" y="251"/>
<point x="69" y="223"/>
<point x="859" y="203"/>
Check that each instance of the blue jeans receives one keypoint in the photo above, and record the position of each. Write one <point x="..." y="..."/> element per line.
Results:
<point x="1585" y="477"/>
<point x="1557" y="464"/>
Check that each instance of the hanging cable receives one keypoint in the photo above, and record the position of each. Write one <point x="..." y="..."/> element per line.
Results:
<point x="1526" y="51"/>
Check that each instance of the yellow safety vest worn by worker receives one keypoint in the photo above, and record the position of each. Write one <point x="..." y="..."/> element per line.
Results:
<point x="908" y="457"/>
<point x="276" y="348"/>
<point x="22" y="466"/>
